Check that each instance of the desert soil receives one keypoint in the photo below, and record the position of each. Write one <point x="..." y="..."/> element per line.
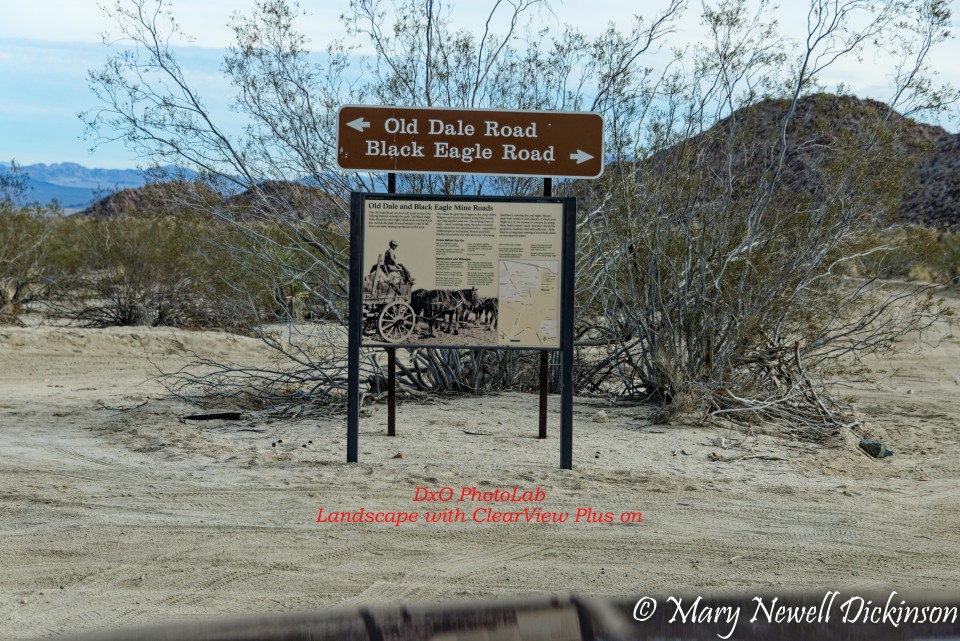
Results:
<point x="114" y="511"/>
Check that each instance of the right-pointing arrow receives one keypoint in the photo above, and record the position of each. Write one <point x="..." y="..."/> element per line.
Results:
<point x="581" y="156"/>
<point x="359" y="124"/>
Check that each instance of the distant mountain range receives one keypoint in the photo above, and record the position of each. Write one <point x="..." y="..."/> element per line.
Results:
<point x="74" y="186"/>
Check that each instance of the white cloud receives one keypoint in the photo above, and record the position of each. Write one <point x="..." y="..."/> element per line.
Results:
<point x="83" y="21"/>
<point x="52" y="20"/>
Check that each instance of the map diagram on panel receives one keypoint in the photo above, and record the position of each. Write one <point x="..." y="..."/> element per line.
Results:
<point x="529" y="302"/>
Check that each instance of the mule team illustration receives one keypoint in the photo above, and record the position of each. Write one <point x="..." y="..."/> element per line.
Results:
<point x="393" y="310"/>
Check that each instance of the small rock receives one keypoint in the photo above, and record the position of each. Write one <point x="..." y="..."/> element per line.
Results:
<point x="875" y="448"/>
<point x="397" y="455"/>
<point x="600" y="417"/>
<point x="273" y="445"/>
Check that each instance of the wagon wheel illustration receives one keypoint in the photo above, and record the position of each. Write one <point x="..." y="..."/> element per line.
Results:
<point x="396" y="322"/>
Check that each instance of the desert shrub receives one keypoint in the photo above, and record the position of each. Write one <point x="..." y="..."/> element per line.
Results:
<point x="944" y="258"/>
<point x="721" y="278"/>
<point x="182" y="270"/>
<point x="132" y="271"/>
<point x="915" y="254"/>
<point x="284" y="259"/>
<point x="22" y="260"/>
<point x="140" y="271"/>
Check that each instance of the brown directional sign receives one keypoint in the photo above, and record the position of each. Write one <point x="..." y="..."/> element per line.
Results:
<point x="470" y="141"/>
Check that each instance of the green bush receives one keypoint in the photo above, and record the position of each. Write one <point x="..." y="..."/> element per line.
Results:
<point x="915" y="253"/>
<point x="183" y="270"/>
<point x="22" y="261"/>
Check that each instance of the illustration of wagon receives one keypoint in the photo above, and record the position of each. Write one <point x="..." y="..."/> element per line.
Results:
<point x="386" y="305"/>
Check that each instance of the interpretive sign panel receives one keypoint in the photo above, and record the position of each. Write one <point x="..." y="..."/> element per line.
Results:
<point x="470" y="141"/>
<point x="462" y="272"/>
<point x="434" y="271"/>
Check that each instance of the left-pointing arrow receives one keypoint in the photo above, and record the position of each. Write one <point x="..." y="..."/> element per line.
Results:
<point x="359" y="124"/>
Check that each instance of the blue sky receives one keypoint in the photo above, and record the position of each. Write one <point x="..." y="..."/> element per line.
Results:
<point x="47" y="47"/>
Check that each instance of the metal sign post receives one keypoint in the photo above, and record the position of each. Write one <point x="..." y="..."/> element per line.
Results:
<point x="353" y="328"/>
<point x="544" y="355"/>
<point x="566" y="337"/>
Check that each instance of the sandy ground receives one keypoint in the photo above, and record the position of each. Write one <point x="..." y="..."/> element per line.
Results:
<point x="115" y="512"/>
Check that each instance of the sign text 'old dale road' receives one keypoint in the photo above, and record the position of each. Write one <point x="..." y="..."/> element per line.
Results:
<point x="470" y="141"/>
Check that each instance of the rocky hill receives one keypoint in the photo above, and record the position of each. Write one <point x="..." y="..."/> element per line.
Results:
<point x="934" y="201"/>
<point x="898" y="169"/>
<point x="267" y="199"/>
<point x="282" y="197"/>
<point x="155" y="199"/>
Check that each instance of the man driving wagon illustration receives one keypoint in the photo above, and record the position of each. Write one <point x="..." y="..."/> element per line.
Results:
<point x="386" y="299"/>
